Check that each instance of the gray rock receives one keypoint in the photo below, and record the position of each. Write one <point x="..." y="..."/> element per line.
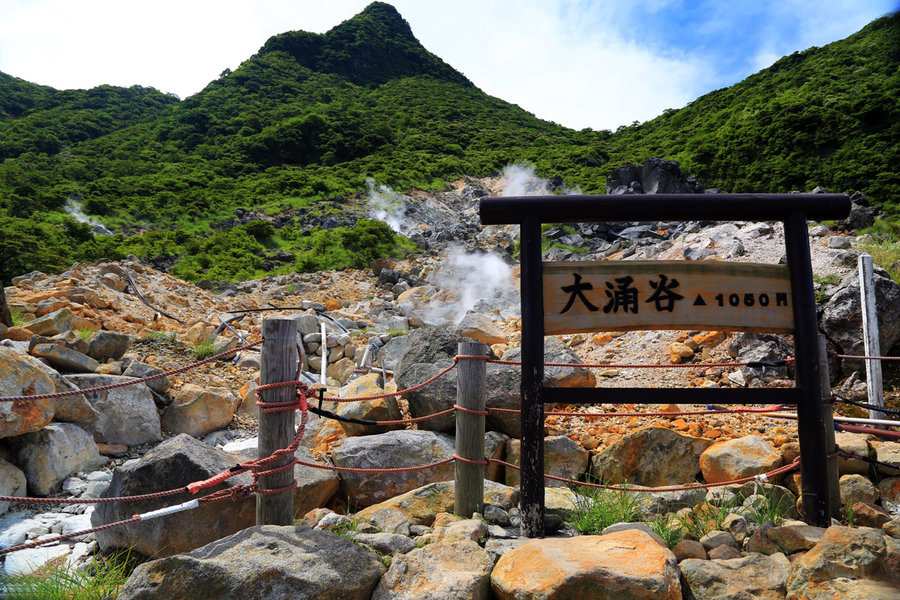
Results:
<point x="391" y="353"/>
<point x="426" y="345"/>
<point x="386" y="543"/>
<point x="841" y="318"/>
<point x="403" y="448"/>
<point x="261" y="563"/>
<point x="174" y="463"/>
<point x="660" y="503"/>
<point x="127" y="415"/>
<point x="563" y="457"/>
<point x="716" y="538"/>
<point x="306" y="323"/>
<point x="440" y="571"/>
<point x="753" y="576"/>
<point x="59" y="321"/>
<point x="12" y="483"/>
<point x="435" y="397"/>
<point x="857" y="488"/>
<point x="65" y="359"/>
<point x="107" y="345"/>
<point x="638" y="526"/>
<point x="140" y="370"/>
<point x="50" y="455"/>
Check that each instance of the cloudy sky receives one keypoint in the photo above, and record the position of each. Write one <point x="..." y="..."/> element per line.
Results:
<point x="580" y="63"/>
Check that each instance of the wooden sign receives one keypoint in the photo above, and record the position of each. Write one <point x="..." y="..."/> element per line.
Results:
<point x="626" y="295"/>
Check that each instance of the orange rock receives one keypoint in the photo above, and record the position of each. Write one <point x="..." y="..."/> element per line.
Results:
<point x="18" y="334"/>
<point x="712" y="434"/>
<point x="674" y="359"/>
<point x="669" y="408"/>
<point x="332" y="304"/>
<point x="679" y="424"/>
<point x="602" y="338"/>
<point x="710" y="338"/>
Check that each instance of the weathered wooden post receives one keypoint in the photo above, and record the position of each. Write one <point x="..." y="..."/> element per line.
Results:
<point x="278" y="362"/>
<point x="871" y="339"/>
<point x="469" y="478"/>
<point x="5" y="316"/>
<point x="834" y="490"/>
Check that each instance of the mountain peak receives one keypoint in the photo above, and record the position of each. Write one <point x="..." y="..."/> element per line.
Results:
<point x="373" y="47"/>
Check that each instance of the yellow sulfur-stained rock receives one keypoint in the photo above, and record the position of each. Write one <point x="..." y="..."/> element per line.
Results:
<point x="624" y="564"/>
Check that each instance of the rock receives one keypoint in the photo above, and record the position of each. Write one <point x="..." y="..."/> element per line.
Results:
<point x="856" y="443"/>
<point x="402" y="448"/>
<point x="266" y="561"/>
<point x="54" y="323"/>
<point x="495" y="448"/>
<point x="857" y="488"/>
<point x="140" y="370"/>
<point x="479" y="327"/>
<point x="199" y="333"/>
<point x="888" y="453"/>
<point x="340" y="370"/>
<point x="127" y="415"/>
<point x="724" y="552"/>
<point x="65" y="359"/>
<point x="795" y="538"/>
<point x="385" y="543"/>
<point x="689" y="549"/>
<point x="760" y="542"/>
<point x="867" y="514"/>
<point x="650" y="456"/>
<point x="625" y="564"/>
<point x="22" y="377"/>
<point x="562" y="458"/>
<point x="174" y="463"/>
<point x="660" y="503"/>
<point x="427" y="345"/>
<point x="742" y="457"/>
<point x="753" y="576"/>
<point x="716" y="538"/>
<point x="889" y="488"/>
<point x="31" y="560"/>
<point x="106" y="345"/>
<point x="440" y="571"/>
<point x="383" y="409"/>
<point x="435" y="397"/>
<point x="862" y="213"/>
<point x="18" y="334"/>
<point x="845" y="558"/>
<point x="306" y="323"/>
<point x="473" y="530"/>
<point x="50" y="455"/>
<point x="841" y="318"/>
<point x="12" y="483"/>
<point x="639" y="527"/>
<point x="197" y="411"/>
<point x="502" y="390"/>
<point x="420" y="506"/>
<point x="73" y="341"/>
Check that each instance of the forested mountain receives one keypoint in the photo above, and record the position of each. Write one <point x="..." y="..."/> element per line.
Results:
<point x="309" y="118"/>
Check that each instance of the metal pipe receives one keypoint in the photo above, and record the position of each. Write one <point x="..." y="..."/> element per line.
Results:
<point x="840" y="419"/>
<point x="324" y="352"/>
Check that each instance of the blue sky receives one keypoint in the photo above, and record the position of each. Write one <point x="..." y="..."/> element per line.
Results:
<point x="580" y="63"/>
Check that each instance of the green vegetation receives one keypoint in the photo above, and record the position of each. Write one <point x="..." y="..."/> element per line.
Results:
<point x="302" y="124"/>
<point x="884" y="246"/>
<point x="60" y="581"/>
<point x="204" y="350"/>
<point x="596" y="509"/>
<point x="771" y="506"/>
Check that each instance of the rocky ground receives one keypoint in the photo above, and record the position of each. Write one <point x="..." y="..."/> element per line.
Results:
<point x="465" y="280"/>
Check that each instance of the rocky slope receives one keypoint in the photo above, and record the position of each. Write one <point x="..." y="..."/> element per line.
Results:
<point x="88" y="326"/>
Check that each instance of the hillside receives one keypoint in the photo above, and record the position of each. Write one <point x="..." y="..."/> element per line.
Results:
<point x="297" y="130"/>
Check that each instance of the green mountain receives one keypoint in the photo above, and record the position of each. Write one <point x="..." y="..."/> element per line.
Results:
<point x="309" y="118"/>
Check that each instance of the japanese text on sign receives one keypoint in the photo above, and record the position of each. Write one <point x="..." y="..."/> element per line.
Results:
<point x="666" y="295"/>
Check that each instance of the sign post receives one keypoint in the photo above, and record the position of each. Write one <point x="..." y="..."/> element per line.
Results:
<point x="572" y="297"/>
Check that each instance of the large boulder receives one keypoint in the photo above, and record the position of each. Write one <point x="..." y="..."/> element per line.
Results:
<point x="480" y="327"/>
<point x="427" y="345"/>
<point x="435" y="397"/>
<point x="623" y="564"/>
<point x="174" y="463"/>
<point x="106" y="345"/>
<point x="440" y="571"/>
<point x="65" y="359"/>
<point x="402" y="448"/>
<point x="259" y="563"/>
<point x="563" y="457"/>
<point x="841" y="318"/>
<point x="741" y="457"/>
<point x="197" y="411"/>
<point x="381" y="409"/>
<point x="50" y="455"/>
<point x="556" y="351"/>
<point x="54" y="323"/>
<point x="752" y="576"/>
<point x="848" y="563"/>
<point x="651" y="456"/>
<point x="12" y="483"/>
<point x="126" y="415"/>
<point x="24" y="375"/>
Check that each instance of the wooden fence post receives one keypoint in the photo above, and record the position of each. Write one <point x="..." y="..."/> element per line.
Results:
<point x="834" y="490"/>
<point x="871" y="337"/>
<point x="278" y="362"/>
<point x="5" y="316"/>
<point x="468" y="495"/>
